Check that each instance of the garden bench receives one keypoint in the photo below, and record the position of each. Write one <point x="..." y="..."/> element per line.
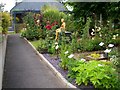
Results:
<point x="66" y="34"/>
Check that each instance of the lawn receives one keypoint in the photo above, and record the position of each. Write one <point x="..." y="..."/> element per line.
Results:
<point x="35" y="43"/>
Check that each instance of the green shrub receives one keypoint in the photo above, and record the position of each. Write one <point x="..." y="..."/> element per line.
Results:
<point x="23" y="33"/>
<point x="86" y="45"/>
<point x="100" y="74"/>
<point x="33" y="31"/>
<point x="51" y="49"/>
<point x="19" y="27"/>
<point x="96" y="45"/>
<point x="1" y="24"/>
<point x="5" y="22"/>
<point x="90" y="45"/>
<point x="114" y="56"/>
<point x="46" y="46"/>
<point x="107" y="35"/>
<point x="42" y="47"/>
<point x="51" y="46"/>
<point x="33" y="34"/>
<point x="53" y="14"/>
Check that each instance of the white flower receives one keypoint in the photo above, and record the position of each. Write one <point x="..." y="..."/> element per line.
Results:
<point x="38" y="21"/>
<point x="25" y="28"/>
<point x="66" y="52"/>
<point x="92" y="33"/>
<point x="93" y="30"/>
<point x="95" y="26"/>
<point x="100" y="65"/>
<point x="107" y="50"/>
<point x="56" y="47"/>
<point x="93" y="38"/>
<point x="101" y="44"/>
<point x="114" y="37"/>
<point x="98" y="29"/>
<point x="100" y="35"/>
<point x="99" y="21"/>
<point x="71" y="56"/>
<point x="82" y="59"/>
<point x="117" y="35"/>
<point x="56" y="43"/>
<point x="111" y="45"/>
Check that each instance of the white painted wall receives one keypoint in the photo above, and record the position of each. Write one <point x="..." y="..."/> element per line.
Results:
<point x="1" y="66"/>
<point x="2" y="59"/>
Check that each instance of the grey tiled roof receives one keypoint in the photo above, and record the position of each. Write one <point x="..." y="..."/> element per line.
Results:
<point x="36" y="6"/>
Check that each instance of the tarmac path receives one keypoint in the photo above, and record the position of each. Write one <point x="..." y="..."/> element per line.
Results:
<point x="24" y="69"/>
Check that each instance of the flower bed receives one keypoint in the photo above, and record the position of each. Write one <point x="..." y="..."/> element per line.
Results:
<point x="73" y="62"/>
<point x="55" y="62"/>
<point x="98" y="65"/>
<point x="86" y="70"/>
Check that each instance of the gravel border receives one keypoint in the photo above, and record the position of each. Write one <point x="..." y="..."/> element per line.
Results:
<point x="58" y="74"/>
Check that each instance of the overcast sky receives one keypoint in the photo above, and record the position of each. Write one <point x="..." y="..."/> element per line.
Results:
<point x="9" y="4"/>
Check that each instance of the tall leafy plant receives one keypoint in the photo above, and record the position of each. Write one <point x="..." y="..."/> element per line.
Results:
<point x="64" y="53"/>
<point x="99" y="74"/>
<point x="86" y="29"/>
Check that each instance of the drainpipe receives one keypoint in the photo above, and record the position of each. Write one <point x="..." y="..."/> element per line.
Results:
<point x="14" y="22"/>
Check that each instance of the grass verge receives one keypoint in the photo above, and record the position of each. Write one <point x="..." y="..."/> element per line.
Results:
<point x="35" y="43"/>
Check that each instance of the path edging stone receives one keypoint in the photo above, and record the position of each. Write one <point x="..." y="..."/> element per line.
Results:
<point x="58" y="74"/>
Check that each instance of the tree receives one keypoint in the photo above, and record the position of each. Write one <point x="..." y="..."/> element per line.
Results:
<point x="107" y="9"/>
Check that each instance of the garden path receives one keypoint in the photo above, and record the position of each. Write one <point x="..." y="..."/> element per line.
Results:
<point x="24" y="69"/>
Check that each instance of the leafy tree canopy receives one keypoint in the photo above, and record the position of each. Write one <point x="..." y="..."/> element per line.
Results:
<point x="107" y="9"/>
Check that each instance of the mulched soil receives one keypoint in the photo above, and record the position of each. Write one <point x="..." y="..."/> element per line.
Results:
<point x="55" y="62"/>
